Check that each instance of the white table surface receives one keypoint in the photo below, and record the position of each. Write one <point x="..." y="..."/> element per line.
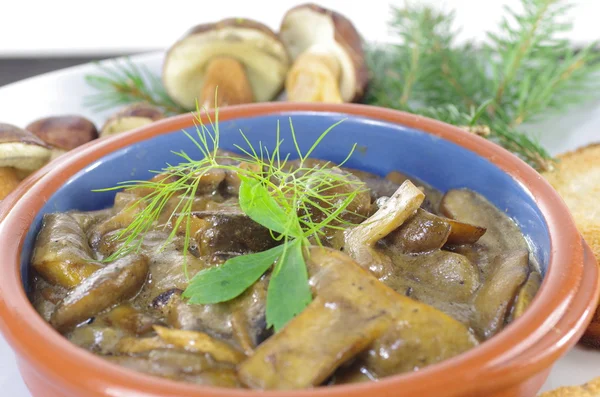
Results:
<point x="62" y="92"/>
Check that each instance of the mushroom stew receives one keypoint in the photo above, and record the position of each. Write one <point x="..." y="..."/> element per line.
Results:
<point x="418" y="276"/>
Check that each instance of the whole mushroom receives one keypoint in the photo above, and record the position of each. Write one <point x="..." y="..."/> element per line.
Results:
<point x="243" y="60"/>
<point x="63" y="133"/>
<point x="21" y="153"/>
<point x="328" y="58"/>
<point x="131" y="117"/>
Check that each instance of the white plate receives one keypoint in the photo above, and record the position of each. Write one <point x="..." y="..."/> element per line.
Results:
<point x="63" y="92"/>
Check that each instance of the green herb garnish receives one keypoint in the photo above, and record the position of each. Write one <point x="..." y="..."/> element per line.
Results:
<point x="281" y="198"/>
<point x="525" y="71"/>
<point x="124" y="82"/>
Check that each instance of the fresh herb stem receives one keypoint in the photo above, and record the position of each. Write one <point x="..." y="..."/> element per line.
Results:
<point x="524" y="71"/>
<point x="272" y="194"/>
<point x="123" y="83"/>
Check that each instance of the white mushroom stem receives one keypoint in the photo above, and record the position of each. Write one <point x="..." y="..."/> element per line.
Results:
<point x="314" y="77"/>
<point x="225" y="77"/>
<point x="360" y="241"/>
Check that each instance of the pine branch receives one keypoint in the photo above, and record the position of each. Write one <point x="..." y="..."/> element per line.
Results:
<point x="124" y="83"/>
<point x="523" y="73"/>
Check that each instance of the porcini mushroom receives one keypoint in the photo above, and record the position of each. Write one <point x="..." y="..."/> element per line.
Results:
<point x="328" y="58"/>
<point x="21" y="152"/>
<point x="63" y="133"/>
<point x="243" y="60"/>
<point x="131" y="117"/>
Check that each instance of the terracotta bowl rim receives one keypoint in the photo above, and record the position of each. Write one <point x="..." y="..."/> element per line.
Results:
<point x="523" y="349"/>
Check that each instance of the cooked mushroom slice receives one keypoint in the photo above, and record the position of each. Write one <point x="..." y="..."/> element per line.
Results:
<point x="178" y="365"/>
<point x="62" y="255"/>
<point x="423" y="232"/>
<point x="63" y="133"/>
<point x="329" y="62"/>
<point x="415" y="326"/>
<point x="352" y="311"/>
<point x="240" y="322"/>
<point x="135" y="345"/>
<point x="415" y="341"/>
<point x="21" y="152"/>
<point x="526" y="294"/>
<point x="439" y="278"/>
<point x="130" y="118"/>
<point x="464" y="233"/>
<point x="130" y="319"/>
<point x="361" y="239"/>
<point x="495" y="296"/>
<point x="313" y="344"/>
<point x="244" y="59"/>
<point x="228" y="233"/>
<point x="501" y="235"/>
<point x="199" y="342"/>
<point x="120" y="220"/>
<point x="98" y="338"/>
<point x="107" y="287"/>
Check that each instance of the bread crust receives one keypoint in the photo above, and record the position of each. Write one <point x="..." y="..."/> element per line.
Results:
<point x="577" y="179"/>
<point x="590" y="389"/>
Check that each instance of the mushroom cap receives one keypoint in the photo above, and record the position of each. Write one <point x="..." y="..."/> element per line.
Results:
<point x="141" y="109"/>
<point x="309" y="26"/>
<point x="21" y="149"/>
<point x="64" y="132"/>
<point x="131" y="117"/>
<point x="253" y="44"/>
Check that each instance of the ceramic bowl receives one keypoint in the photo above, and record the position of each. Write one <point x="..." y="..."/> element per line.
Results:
<point x="516" y="362"/>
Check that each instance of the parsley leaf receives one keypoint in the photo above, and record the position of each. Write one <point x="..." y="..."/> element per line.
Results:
<point x="225" y="282"/>
<point x="259" y="204"/>
<point x="289" y="292"/>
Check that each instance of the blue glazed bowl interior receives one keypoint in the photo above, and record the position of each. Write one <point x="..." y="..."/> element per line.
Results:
<point x="382" y="147"/>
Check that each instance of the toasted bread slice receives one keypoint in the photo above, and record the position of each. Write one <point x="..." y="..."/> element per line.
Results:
<point x="577" y="180"/>
<point x="590" y="389"/>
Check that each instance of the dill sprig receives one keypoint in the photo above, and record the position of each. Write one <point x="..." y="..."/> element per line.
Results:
<point x="297" y="204"/>
<point x="525" y="72"/>
<point x="123" y="82"/>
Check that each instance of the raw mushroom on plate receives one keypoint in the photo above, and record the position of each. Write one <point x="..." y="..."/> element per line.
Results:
<point x="328" y="58"/>
<point x="21" y="153"/>
<point x="131" y="117"/>
<point x="63" y="133"/>
<point x="242" y="60"/>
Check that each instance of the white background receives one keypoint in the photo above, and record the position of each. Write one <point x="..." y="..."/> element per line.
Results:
<point x="67" y="27"/>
